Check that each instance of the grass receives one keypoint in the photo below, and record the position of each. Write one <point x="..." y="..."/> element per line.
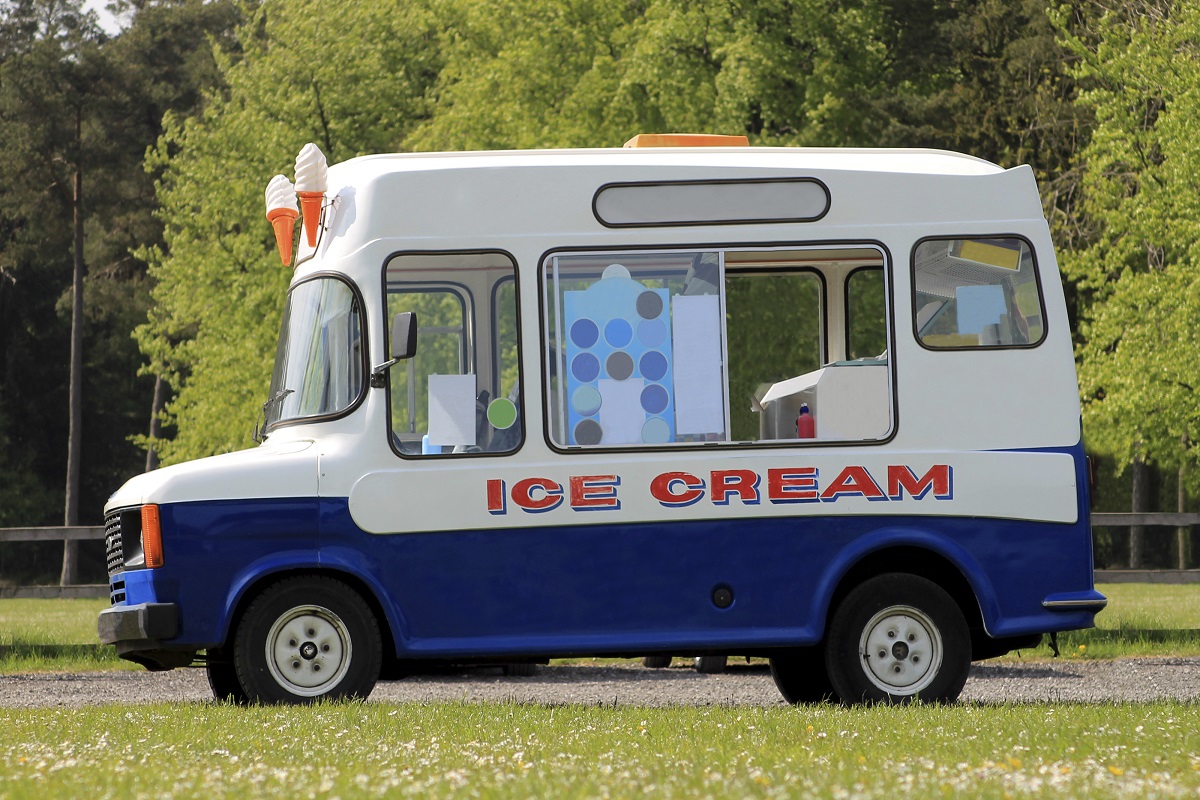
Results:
<point x="501" y="750"/>
<point x="53" y="636"/>
<point x="1141" y="620"/>
<point x="525" y="750"/>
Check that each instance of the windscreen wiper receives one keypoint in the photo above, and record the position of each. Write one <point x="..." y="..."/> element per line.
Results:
<point x="260" y="428"/>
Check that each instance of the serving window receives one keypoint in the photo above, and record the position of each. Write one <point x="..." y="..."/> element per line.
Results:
<point x="695" y="346"/>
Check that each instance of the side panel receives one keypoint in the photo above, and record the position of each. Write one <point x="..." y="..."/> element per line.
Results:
<point x="615" y="587"/>
<point x="692" y="486"/>
<point x="214" y="549"/>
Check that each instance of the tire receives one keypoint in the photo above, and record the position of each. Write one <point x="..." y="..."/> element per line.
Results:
<point x="656" y="662"/>
<point x="711" y="665"/>
<point x="801" y="677"/>
<point x="898" y="638"/>
<point x="307" y="639"/>
<point x="223" y="679"/>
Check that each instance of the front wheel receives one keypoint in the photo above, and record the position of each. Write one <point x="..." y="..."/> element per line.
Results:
<point x="306" y="639"/>
<point x="223" y="679"/>
<point x="898" y="638"/>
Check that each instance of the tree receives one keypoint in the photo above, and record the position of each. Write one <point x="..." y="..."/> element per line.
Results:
<point x="50" y="63"/>
<point x="77" y="111"/>
<point x="351" y="77"/>
<point x="1138" y="367"/>
<point x="456" y="74"/>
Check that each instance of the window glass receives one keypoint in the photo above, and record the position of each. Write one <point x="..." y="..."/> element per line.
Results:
<point x="616" y="367"/>
<point x="665" y="348"/>
<point x="459" y="393"/>
<point x="976" y="293"/>
<point x="319" y="359"/>
<point x="866" y="314"/>
<point x="774" y="320"/>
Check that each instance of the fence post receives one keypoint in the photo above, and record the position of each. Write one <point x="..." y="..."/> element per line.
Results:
<point x="1140" y="503"/>
<point x="1182" y="533"/>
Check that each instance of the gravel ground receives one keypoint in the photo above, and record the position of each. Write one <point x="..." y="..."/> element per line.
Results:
<point x="1122" y="680"/>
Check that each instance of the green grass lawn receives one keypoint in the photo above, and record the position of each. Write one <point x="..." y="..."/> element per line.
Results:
<point x="435" y="750"/>
<point x="1141" y="620"/>
<point x="53" y="636"/>
<point x="1045" y="750"/>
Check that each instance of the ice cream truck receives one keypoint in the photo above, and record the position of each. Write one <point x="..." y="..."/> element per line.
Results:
<point x="688" y="396"/>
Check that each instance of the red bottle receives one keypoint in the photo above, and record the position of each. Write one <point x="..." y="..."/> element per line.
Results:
<point x="806" y="426"/>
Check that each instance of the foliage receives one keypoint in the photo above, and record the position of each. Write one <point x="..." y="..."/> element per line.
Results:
<point x="56" y="67"/>
<point x="1138" y="366"/>
<point x="348" y="76"/>
<point x="454" y="74"/>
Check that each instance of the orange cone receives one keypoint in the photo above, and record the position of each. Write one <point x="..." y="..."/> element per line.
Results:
<point x="310" y="205"/>
<point x="283" y="220"/>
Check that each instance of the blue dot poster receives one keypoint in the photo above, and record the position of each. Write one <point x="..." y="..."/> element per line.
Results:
<point x="619" y="371"/>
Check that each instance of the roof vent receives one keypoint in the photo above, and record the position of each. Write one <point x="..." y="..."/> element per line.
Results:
<point x="687" y="140"/>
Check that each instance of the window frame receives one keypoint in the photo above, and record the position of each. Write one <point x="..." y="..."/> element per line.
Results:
<point x="882" y="270"/>
<point x="469" y="354"/>
<point x="364" y="366"/>
<point x="1037" y="279"/>
<point x="723" y="248"/>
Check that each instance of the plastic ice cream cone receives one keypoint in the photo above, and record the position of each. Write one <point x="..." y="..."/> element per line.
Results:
<point x="283" y="220"/>
<point x="310" y="205"/>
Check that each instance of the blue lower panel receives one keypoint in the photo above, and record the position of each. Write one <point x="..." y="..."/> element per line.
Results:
<point x="624" y="588"/>
<point x="598" y="589"/>
<point x="212" y="551"/>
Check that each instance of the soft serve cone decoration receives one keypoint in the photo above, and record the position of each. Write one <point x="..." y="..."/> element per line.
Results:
<point x="312" y="178"/>
<point x="282" y="213"/>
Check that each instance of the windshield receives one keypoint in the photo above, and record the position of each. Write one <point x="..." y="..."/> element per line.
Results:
<point x="319" y="364"/>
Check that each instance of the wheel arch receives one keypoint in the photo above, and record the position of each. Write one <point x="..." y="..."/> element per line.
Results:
<point x="921" y="554"/>
<point x="252" y="588"/>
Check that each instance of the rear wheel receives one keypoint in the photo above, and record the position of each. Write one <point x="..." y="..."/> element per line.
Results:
<point x="656" y="662"/>
<point x="801" y="677"/>
<point x="898" y="638"/>
<point x="711" y="665"/>
<point x="306" y="639"/>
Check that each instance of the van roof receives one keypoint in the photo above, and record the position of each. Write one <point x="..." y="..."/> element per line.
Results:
<point x="480" y="199"/>
<point x="883" y="160"/>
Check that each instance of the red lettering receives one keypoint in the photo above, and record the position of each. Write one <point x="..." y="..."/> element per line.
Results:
<point x="853" y="481"/>
<point x="939" y="478"/>
<point x="676" y="489"/>
<point x="551" y="494"/>
<point x="594" y="492"/>
<point x="496" y="500"/>
<point x="740" y="482"/>
<point x="797" y="485"/>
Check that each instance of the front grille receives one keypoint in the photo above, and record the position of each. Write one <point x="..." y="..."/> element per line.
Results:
<point x="114" y="548"/>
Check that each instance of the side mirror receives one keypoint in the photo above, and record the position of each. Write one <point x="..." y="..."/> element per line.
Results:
<point x="404" y="336"/>
<point x="404" y="346"/>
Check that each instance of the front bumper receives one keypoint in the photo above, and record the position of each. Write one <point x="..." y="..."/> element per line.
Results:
<point x="138" y="632"/>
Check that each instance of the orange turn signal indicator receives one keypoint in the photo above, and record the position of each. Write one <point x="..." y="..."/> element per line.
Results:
<point x="152" y="547"/>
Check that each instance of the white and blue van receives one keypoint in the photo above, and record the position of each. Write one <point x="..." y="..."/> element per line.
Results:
<point x="545" y="403"/>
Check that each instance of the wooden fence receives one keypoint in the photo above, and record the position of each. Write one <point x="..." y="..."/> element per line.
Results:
<point x="1156" y="521"/>
<point x="78" y="533"/>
